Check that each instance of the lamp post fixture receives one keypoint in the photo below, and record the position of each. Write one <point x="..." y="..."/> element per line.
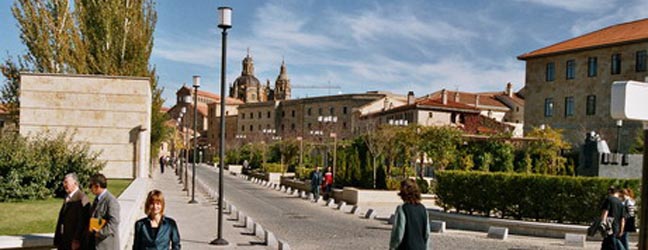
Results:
<point x="196" y="85"/>
<point x="267" y="132"/>
<point x="224" y="22"/>
<point x="317" y="133"/>
<point x="187" y="101"/>
<point x="177" y="156"/>
<point x="330" y="119"/>
<point x="619" y="124"/>
<point x="301" y="149"/>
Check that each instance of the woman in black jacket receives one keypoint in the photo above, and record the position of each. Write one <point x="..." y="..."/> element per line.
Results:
<point x="156" y="231"/>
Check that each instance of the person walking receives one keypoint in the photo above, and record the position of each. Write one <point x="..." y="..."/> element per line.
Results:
<point x="105" y="210"/>
<point x="613" y="214"/>
<point x="411" y="228"/>
<point x="72" y="223"/>
<point x="627" y="198"/>
<point x="156" y="231"/>
<point x="328" y="183"/>
<point x="162" y="162"/>
<point x="316" y="181"/>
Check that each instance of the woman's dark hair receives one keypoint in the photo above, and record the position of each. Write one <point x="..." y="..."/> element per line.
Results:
<point x="410" y="192"/>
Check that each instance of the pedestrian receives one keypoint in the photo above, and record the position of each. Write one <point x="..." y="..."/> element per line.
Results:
<point x="627" y="197"/>
<point x="328" y="183"/>
<point x="162" y="162"/>
<point x="613" y="214"/>
<point x="411" y="228"/>
<point x="72" y="223"/>
<point x="316" y="181"/>
<point x="156" y="231"/>
<point x="105" y="212"/>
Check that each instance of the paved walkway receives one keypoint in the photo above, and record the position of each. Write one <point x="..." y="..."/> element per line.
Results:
<point x="198" y="222"/>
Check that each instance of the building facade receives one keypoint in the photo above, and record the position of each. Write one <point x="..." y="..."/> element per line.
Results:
<point x="568" y="84"/>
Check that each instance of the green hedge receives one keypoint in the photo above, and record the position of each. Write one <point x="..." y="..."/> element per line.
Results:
<point x="526" y="196"/>
<point x="272" y="168"/>
<point x="33" y="168"/>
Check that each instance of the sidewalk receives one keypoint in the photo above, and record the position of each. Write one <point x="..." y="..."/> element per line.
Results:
<point x="198" y="222"/>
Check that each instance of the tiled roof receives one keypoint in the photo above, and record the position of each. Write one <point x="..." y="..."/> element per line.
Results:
<point x="615" y="34"/>
<point x="216" y="97"/>
<point x="485" y="99"/>
<point x="439" y="103"/>
<point x="164" y="109"/>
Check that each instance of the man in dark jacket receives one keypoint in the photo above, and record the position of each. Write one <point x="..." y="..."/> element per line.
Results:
<point x="106" y="208"/>
<point x="71" y="227"/>
<point x="316" y="181"/>
<point x="614" y="214"/>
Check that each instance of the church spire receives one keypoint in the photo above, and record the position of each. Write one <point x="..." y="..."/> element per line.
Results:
<point x="248" y="65"/>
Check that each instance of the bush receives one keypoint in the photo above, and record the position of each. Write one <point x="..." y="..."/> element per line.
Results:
<point x="302" y="172"/>
<point x="423" y="185"/>
<point x="272" y="168"/>
<point x="526" y="196"/>
<point x="33" y="168"/>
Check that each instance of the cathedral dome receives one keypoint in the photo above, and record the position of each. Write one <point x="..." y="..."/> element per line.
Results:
<point x="247" y="81"/>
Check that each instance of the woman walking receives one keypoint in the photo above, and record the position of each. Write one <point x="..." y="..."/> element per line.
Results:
<point x="156" y="231"/>
<point x="411" y="229"/>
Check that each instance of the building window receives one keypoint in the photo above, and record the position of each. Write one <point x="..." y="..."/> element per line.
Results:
<point x="332" y="110"/>
<point x="591" y="105"/>
<point x="319" y="111"/>
<point x="592" y="66"/>
<point x="268" y="114"/>
<point x="570" y="71"/>
<point x="430" y="114"/>
<point x="616" y="64"/>
<point x="548" y="109"/>
<point x="344" y="110"/>
<point x="640" y="66"/>
<point x="309" y="126"/>
<point x="242" y="128"/>
<point x="292" y="126"/>
<point x="569" y="106"/>
<point x="550" y="72"/>
<point x="282" y="128"/>
<point x="259" y="127"/>
<point x="251" y="115"/>
<point x="344" y="125"/>
<point x="259" y="114"/>
<point x="251" y="128"/>
<point x="292" y="113"/>
<point x="308" y="111"/>
<point x="283" y="114"/>
<point x="242" y="116"/>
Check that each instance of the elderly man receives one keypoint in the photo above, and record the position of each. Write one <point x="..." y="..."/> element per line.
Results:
<point x="72" y="223"/>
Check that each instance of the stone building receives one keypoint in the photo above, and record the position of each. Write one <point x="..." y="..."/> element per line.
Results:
<point x="248" y="88"/>
<point x="568" y="84"/>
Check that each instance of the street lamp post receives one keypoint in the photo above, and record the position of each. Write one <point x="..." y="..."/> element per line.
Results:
<point x="196" y="85"/>
<point x="301" y="149"/>
<point x="619" y="124"/>
<point x="177" y="156"/>
<point x="270" y="132"/>
<point x="225" y="22"/>
<point x="330" y="119"/>
<point x="317" y="133"/>
<point x="187" y="101"/>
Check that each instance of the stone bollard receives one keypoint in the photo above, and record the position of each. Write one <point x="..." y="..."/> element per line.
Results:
<point x="500" y="233"/>
<point x="259" y="232"/>
<point x="283" y="245"/>
<point x="330" y="202"/>
<point x="437" y="226"/>
<point x="341" y="205"/>
<point x="370" y="214"/>
<point x="311" y="197"/>
<point x="355" y="209"/>
<point x="271" y="240"/>
<point x="250" y="224"/>
<point x="575" y="240"/>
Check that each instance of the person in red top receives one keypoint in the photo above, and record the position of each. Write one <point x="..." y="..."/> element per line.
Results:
<point x="328" y="183"/>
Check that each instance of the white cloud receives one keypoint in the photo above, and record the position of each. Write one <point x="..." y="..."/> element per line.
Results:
<point x="631" y="10"/>
<point x="576" y="5"/>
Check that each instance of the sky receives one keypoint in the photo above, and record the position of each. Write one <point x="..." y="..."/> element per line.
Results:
<point x="364" y="45"/>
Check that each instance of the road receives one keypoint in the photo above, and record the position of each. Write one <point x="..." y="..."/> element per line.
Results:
<point x="305" y="225"/>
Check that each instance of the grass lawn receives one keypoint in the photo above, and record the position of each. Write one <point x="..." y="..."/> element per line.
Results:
<point x="40" y="216"/>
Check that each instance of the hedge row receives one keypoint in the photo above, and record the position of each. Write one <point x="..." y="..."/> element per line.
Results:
<point x="526" y="196"/>
<point x="33" y="168"/>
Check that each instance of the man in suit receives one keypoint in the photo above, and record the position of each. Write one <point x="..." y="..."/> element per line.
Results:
<point x="104" y="207"/>
<point x="72" y="223"/>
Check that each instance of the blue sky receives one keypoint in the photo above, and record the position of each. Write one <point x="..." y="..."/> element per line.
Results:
<point x="396" y="46"/>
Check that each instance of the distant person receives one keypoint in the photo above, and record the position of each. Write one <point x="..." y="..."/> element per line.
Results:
<point x="156" y="231"/>
<point x="72" y="223"/>
<point x="613" y="214"/>
<point x="162" y="162"/>
<point x="411" y="229"/>
<point x="328" y="183"/>
<point x="316" y="181"/>
<point x="627" y="198"/>
<point x="105" y="209"/>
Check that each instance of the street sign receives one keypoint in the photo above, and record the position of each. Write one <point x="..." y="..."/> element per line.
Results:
<point x="629" y="100"/>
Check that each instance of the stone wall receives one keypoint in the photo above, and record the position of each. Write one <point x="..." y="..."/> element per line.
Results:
<point x="112" y="114"/>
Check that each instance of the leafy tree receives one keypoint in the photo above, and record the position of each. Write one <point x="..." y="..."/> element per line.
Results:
<point x="638" y="144"/>
<point x="10" y="91"/>
<point x="546" y="152"/>
<point x="441" y="145"/>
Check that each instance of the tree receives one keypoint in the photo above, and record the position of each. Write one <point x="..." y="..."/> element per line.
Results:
<point x="98" y="37"/>
<point x="10" y="91"/>
<point x="546" y="152"/>
<point x="441" y="145"/>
